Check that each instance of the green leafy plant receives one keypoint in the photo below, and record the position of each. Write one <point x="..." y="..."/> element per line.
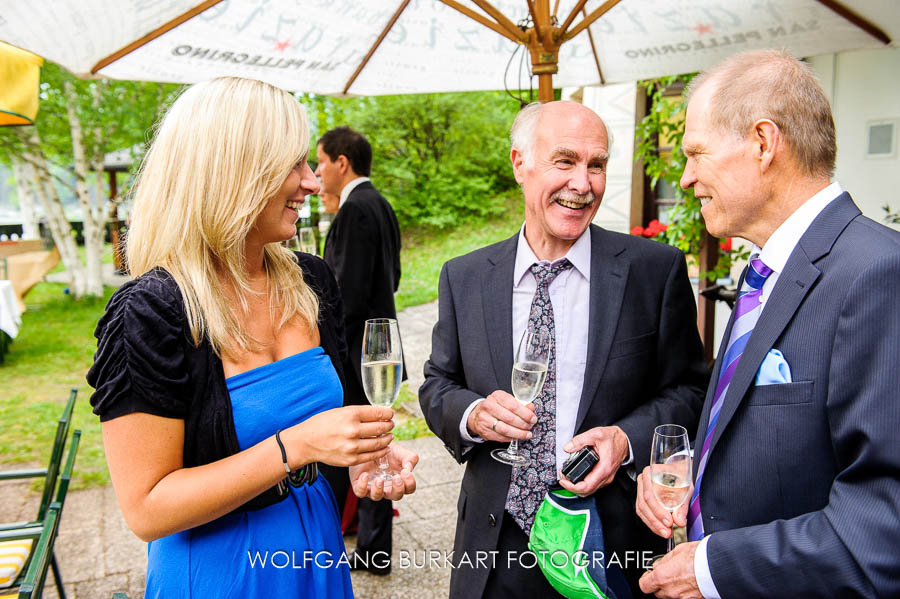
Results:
<point x="665" y="121"/>
<point x="438" y="158"/>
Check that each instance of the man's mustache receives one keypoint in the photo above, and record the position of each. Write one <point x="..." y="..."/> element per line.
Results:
<point x="575" y="198"/>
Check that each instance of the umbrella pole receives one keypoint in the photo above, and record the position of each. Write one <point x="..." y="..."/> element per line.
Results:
<point x="543" y="44"/>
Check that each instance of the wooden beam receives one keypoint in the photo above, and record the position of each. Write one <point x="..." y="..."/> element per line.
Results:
<point x="638" y="177"/>
<point x="586" y="22"/>
<point x="575" y="10"/>
<point x="535" y="22"/>
<point x="498" y="16"/>
<point x="377" y="43"/>
<point x="858" y="20"/>
<point x="594" y="50"/>
<point x="555" y="8"/>
<point x="518" y="36"/>
<point x="706" y="308"/>
<point x="154" y="34"/>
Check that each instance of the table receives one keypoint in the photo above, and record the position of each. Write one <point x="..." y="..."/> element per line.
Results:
<point x="10" y="317"/>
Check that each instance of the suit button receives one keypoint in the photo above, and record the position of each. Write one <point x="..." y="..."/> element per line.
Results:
<point x="492" y="521"/>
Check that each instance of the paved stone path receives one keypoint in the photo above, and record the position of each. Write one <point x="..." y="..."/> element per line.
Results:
<point x="98" y="555"/>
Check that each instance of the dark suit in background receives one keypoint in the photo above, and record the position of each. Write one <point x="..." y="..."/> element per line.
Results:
<point x="644" y="367"/>
<point x="363" y="249"/>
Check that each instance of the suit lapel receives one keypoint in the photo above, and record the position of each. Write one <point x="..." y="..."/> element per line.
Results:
<point x="496" y="298"/>
<point x="792" y="287"/>
<point x="609" y="275"/>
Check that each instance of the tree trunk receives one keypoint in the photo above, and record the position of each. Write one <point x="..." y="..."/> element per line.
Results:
<point x="60" y="229"/>
<point x="30" y="228"/>
<point x="93" y="228"/>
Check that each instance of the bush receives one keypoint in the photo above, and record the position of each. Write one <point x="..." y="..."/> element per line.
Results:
<point x="438" y="158"/>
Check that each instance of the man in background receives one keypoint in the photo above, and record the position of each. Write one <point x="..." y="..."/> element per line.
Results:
<point x="797" y="458"/>
<point x="363" y="249"/>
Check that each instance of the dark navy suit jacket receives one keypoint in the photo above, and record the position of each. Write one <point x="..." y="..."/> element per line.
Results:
<point x="801" y="492"/>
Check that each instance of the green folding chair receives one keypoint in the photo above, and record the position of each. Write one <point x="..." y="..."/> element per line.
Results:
<point x="42" y="530"/>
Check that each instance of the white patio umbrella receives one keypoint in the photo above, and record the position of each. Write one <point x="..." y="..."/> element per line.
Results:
<point x="372" y="47"/>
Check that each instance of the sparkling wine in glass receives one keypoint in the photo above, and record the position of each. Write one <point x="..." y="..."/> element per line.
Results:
<point x="528" y="375"/>
<point x="382" y="371"/>
<point x="307" y="241"/>
<point x="670" y="469"/>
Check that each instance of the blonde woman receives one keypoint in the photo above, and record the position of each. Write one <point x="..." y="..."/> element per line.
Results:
<point x="218" y="366"/>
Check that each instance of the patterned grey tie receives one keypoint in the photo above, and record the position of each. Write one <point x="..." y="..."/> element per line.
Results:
<point x="528" y="485"/>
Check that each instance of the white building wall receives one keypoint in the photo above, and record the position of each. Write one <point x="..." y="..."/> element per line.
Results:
<point x="615" y="105"/>
<point x="863" y="87"/>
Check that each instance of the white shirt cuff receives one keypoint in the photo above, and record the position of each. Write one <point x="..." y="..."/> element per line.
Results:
<point x="630" y="457"/>
<point x="468" y="439"/>
<point x="702" y="574"/>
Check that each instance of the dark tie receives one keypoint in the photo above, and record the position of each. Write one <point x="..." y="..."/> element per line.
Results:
<point x="528" y="485"/>
<point x="746" y="314"/>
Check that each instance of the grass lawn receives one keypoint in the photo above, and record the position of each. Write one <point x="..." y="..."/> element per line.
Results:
<point x="425" y="251"/>
<point x="51" y="355"/>
<point x="55" y="348"/>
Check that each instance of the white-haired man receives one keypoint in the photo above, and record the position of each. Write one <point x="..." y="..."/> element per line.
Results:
<point x="626" y="357"/>
<point x="797" y="458"/>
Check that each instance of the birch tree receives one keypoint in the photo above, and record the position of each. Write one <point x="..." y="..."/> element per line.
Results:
<point x="78" y="124"/>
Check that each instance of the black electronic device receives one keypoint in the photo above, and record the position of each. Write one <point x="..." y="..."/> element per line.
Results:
<point x="578" y="464"/>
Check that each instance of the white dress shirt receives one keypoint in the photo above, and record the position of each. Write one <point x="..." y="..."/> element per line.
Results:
<point x="345" y="193"/>
<point x="775" y="254"/>
<point x="570" y="294"/>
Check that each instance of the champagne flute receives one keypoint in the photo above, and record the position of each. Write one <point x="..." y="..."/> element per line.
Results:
<point x="293" y="243"/>
<point x="670" y="470"/>
<point x="308" y="240"/>
<point x="528" y="374"/>
<point x="382" y="370"/>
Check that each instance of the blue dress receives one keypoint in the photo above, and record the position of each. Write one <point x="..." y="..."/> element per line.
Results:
<point x="293" y="548"/>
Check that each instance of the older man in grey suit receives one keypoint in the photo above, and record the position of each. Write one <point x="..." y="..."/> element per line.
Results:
<point x="797" y="458"/>
<point x="627" y="357"/>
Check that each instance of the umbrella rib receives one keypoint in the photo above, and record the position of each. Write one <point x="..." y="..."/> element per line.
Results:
<point x="377" y="43"/>
<point x="538" y="26"/>
<point x="498" y="16"/>
<point x="165" y="27"/>
<point x="857" y="20"/>
<point x="575" y="10"/>
<point x="586" y="22"/>
<point x="594" y="50"/>
<point x="516" y="35"/>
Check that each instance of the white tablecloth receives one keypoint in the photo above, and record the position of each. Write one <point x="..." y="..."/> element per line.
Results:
<point x="10" y="317"/>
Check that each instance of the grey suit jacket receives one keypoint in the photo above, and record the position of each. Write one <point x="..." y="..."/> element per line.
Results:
<point x="801" y="492"/>
<point x="644" y="367"/>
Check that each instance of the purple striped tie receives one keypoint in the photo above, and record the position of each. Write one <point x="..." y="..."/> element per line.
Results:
<point x="746" y="313"/>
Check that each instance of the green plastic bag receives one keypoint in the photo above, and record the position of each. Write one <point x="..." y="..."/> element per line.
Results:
<point x="567" y="538"/>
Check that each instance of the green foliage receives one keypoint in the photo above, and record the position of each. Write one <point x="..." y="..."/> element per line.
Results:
<point x="113" y="114"/>
<point x="891" y="218"/>
<point x="665" y="121"/>
<point x="438" y="158"/>
<point x="425" y="249"/>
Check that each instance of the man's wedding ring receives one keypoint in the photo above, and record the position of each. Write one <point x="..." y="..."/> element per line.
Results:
<point x="494" y="426"/>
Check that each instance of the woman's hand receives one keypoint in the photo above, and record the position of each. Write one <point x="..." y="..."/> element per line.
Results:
<point x="402" y="462"/>
<point x="340" y="437"/>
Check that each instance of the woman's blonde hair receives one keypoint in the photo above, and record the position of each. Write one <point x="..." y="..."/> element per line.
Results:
<point x="223" y="149"/>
